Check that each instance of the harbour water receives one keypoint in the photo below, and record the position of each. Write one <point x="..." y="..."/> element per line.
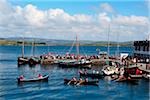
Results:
<point x="55" y="89"/>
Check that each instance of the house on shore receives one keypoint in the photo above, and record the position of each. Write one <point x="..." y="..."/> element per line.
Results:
<point x="142" y="51"/>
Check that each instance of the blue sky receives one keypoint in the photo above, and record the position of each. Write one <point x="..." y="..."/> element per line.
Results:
<point x="124" y="7"/>
<point x="62" y="19"/>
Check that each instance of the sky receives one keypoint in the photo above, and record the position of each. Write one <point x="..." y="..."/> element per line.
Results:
<point x="123" y="20"/>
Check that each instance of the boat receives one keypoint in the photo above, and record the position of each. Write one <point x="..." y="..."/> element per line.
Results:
<point x="33" y="60"/>
<point x="75" y="64"/>
<point x="78" y="62"/>
<point x="91" y="82"/>
<point x="43" y="78"/>
<point x="97" y="74"/>
<point x="146" y="76"/>
<point x="109" y="70"/>
<point x="135" y="76"/>
<point x="134" y="81"/>
<point x="22" y="60"/>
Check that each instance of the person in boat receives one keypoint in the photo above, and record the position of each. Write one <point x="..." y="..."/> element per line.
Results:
<point x="121" y="76"/>
<point x="21" y="77"/>
<point x="40" y="76"/>
<point x="86" y="80"/>
<point x="80" y="71"/>
<point x="74" y="80"/>
<point x="126" y="75"/>
<point x="85" y="71"/>
<point x="93" y="71"/>
<point x="97" y="72"/>
<point x="80" y="81"/>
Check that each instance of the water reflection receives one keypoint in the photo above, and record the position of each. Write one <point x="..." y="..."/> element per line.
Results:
<point x="38" y="84"/>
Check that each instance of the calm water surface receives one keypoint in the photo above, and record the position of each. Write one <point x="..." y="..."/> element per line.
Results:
<point x="54" y="88"/>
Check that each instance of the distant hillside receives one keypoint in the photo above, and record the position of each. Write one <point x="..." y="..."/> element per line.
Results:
<point x="53" y="42"/>
<point x="28" y="41"/>
<point x="105" y="43"/>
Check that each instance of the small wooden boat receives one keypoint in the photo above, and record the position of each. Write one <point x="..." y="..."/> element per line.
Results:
<point x="91" y="75"/>
<point x="22" y="60"/>
<point x="134" y="81"/>
<point x="34" y="61"/>
<point x="91" y="82"/>
<point x="44" y="78"/>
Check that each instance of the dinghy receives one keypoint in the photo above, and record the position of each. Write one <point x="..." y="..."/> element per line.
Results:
<point x="43" y="78"/>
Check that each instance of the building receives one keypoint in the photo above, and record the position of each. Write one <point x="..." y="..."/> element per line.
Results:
<point x="142" y="51"/>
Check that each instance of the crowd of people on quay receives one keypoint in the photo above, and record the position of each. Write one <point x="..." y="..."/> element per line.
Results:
<point x="68" y="56"/>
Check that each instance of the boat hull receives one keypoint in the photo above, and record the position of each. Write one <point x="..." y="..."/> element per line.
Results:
<point x="84" y="83"/>
<point x="91" y="75"/>
<point x="133" y="81"/>
<point x="34" y="61"/>
<point x="44" y="78"/>
<point x="22" y="60"/>
<point x="72" y="65"/>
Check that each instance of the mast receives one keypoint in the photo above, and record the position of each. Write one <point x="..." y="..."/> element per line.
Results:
<point x="108" y="40"/>
<point x="48" y="48"/>
<point x="33" y="48"/>
<point x="118" y="45"/>
<point x="77" y="46"/>
<point x="23" y="47"/>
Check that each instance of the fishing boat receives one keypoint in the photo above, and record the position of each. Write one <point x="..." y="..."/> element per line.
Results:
<point x="133" y="81"/>
<point x="75" y="64"/>
<point x="78" y="62"/>
<point x="33" y="60"/>
<point x="43" y="78"/>
<point x="22" y="60"/>
<point x="91" y="82"/>
<point x="92" y="75"/>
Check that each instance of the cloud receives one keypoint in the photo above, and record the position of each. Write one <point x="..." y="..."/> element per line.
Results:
<point x="105" y="7"/>
<point x="30" y="21"/>
<point x="132" y="20"/>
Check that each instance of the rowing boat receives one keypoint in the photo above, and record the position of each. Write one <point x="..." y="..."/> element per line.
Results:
<point x="91" y="75"/>
<point x="134" y="81"/>
<point x="91" y="82"/>
<point x="43" y="78"/>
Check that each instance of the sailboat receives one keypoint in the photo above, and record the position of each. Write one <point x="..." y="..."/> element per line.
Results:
<point x="76" y="63"/>
<point x="22" y="60"/>
<point x="33" y="60"/>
